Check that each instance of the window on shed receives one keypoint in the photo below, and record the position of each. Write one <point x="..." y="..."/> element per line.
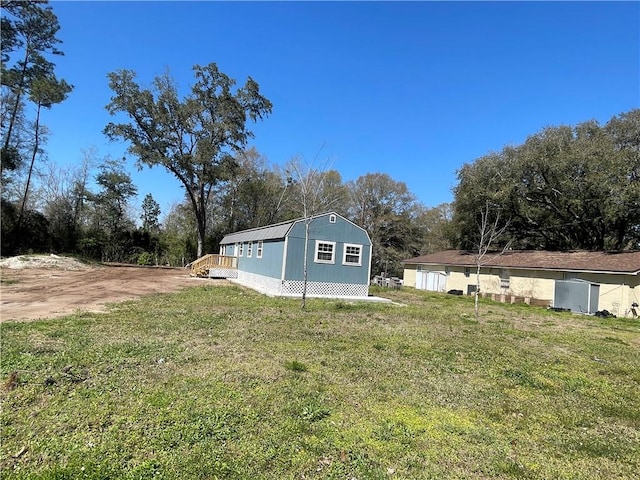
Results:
<point x="259" y="249"/>
<point x="249" y="249"/>
<point x="325" y="252"/>
<point x="352" y="254"/>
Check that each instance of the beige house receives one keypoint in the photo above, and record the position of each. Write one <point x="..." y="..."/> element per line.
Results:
<point x="584" y="282"/>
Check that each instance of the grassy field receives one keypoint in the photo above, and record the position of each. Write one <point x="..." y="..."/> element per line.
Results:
<point x="220" y="382"/>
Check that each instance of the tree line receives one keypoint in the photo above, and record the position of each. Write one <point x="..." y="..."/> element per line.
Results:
<point x="564" y="188"/>
<point x="68" y="215"/>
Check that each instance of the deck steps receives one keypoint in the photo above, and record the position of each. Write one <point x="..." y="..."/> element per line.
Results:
<point x="205" y="264"/>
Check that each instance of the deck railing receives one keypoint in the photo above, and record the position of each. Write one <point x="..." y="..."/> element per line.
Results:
<point x="202" y="265"/>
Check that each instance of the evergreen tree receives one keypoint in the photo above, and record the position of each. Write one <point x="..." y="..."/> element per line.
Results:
<point x="29" y="30"/>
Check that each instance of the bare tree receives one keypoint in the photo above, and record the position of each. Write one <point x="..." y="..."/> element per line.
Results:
<point x="309" y="182"/>
<point x="490" y="229"/>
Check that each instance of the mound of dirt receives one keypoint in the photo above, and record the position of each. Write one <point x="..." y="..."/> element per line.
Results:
<point x="44" y="261"/>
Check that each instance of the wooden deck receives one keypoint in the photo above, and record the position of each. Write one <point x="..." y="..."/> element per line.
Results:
<point x="220" y="263"/>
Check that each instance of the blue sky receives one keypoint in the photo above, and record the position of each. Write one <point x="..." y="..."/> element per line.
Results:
<point x="412" y="89"/>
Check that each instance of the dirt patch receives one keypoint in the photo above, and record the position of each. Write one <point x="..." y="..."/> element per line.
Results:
<point x="48" y="286"/>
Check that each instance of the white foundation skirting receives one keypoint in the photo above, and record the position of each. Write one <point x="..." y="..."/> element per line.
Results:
<point x="290" y="288"/>
<point x="223" y="273"/>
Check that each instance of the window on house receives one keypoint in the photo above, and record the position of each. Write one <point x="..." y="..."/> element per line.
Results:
<point x="352" y="254"/>
<point x="332" y="219"/>
<point x="325" y="252"/>
<point x="240" y="249"/>
<point x="467" y="272"/>
<point x="259" y="249"/>
<point x="249" y="249"/>
<point x="505" y="279"/>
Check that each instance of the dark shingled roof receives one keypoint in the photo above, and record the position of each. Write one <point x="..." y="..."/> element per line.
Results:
<point x="579" y="261"/>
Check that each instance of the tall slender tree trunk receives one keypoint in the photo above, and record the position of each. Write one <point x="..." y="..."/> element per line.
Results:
<point x="305" y="263"/>
<point x="16" y="105"/>
<point x="477" y="293"/>
<point x="34" y="153"/>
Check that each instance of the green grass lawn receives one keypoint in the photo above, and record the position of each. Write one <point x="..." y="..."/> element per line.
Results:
<point x="221" y="382"/>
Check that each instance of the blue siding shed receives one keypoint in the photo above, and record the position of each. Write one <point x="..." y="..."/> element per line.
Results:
<point x="271" y="258"/>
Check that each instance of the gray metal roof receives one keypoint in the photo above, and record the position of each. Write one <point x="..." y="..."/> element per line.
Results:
<point x="270" y="232"/>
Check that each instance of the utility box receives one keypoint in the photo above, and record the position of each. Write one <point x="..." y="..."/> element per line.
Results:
<point x="576" y="295"/>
